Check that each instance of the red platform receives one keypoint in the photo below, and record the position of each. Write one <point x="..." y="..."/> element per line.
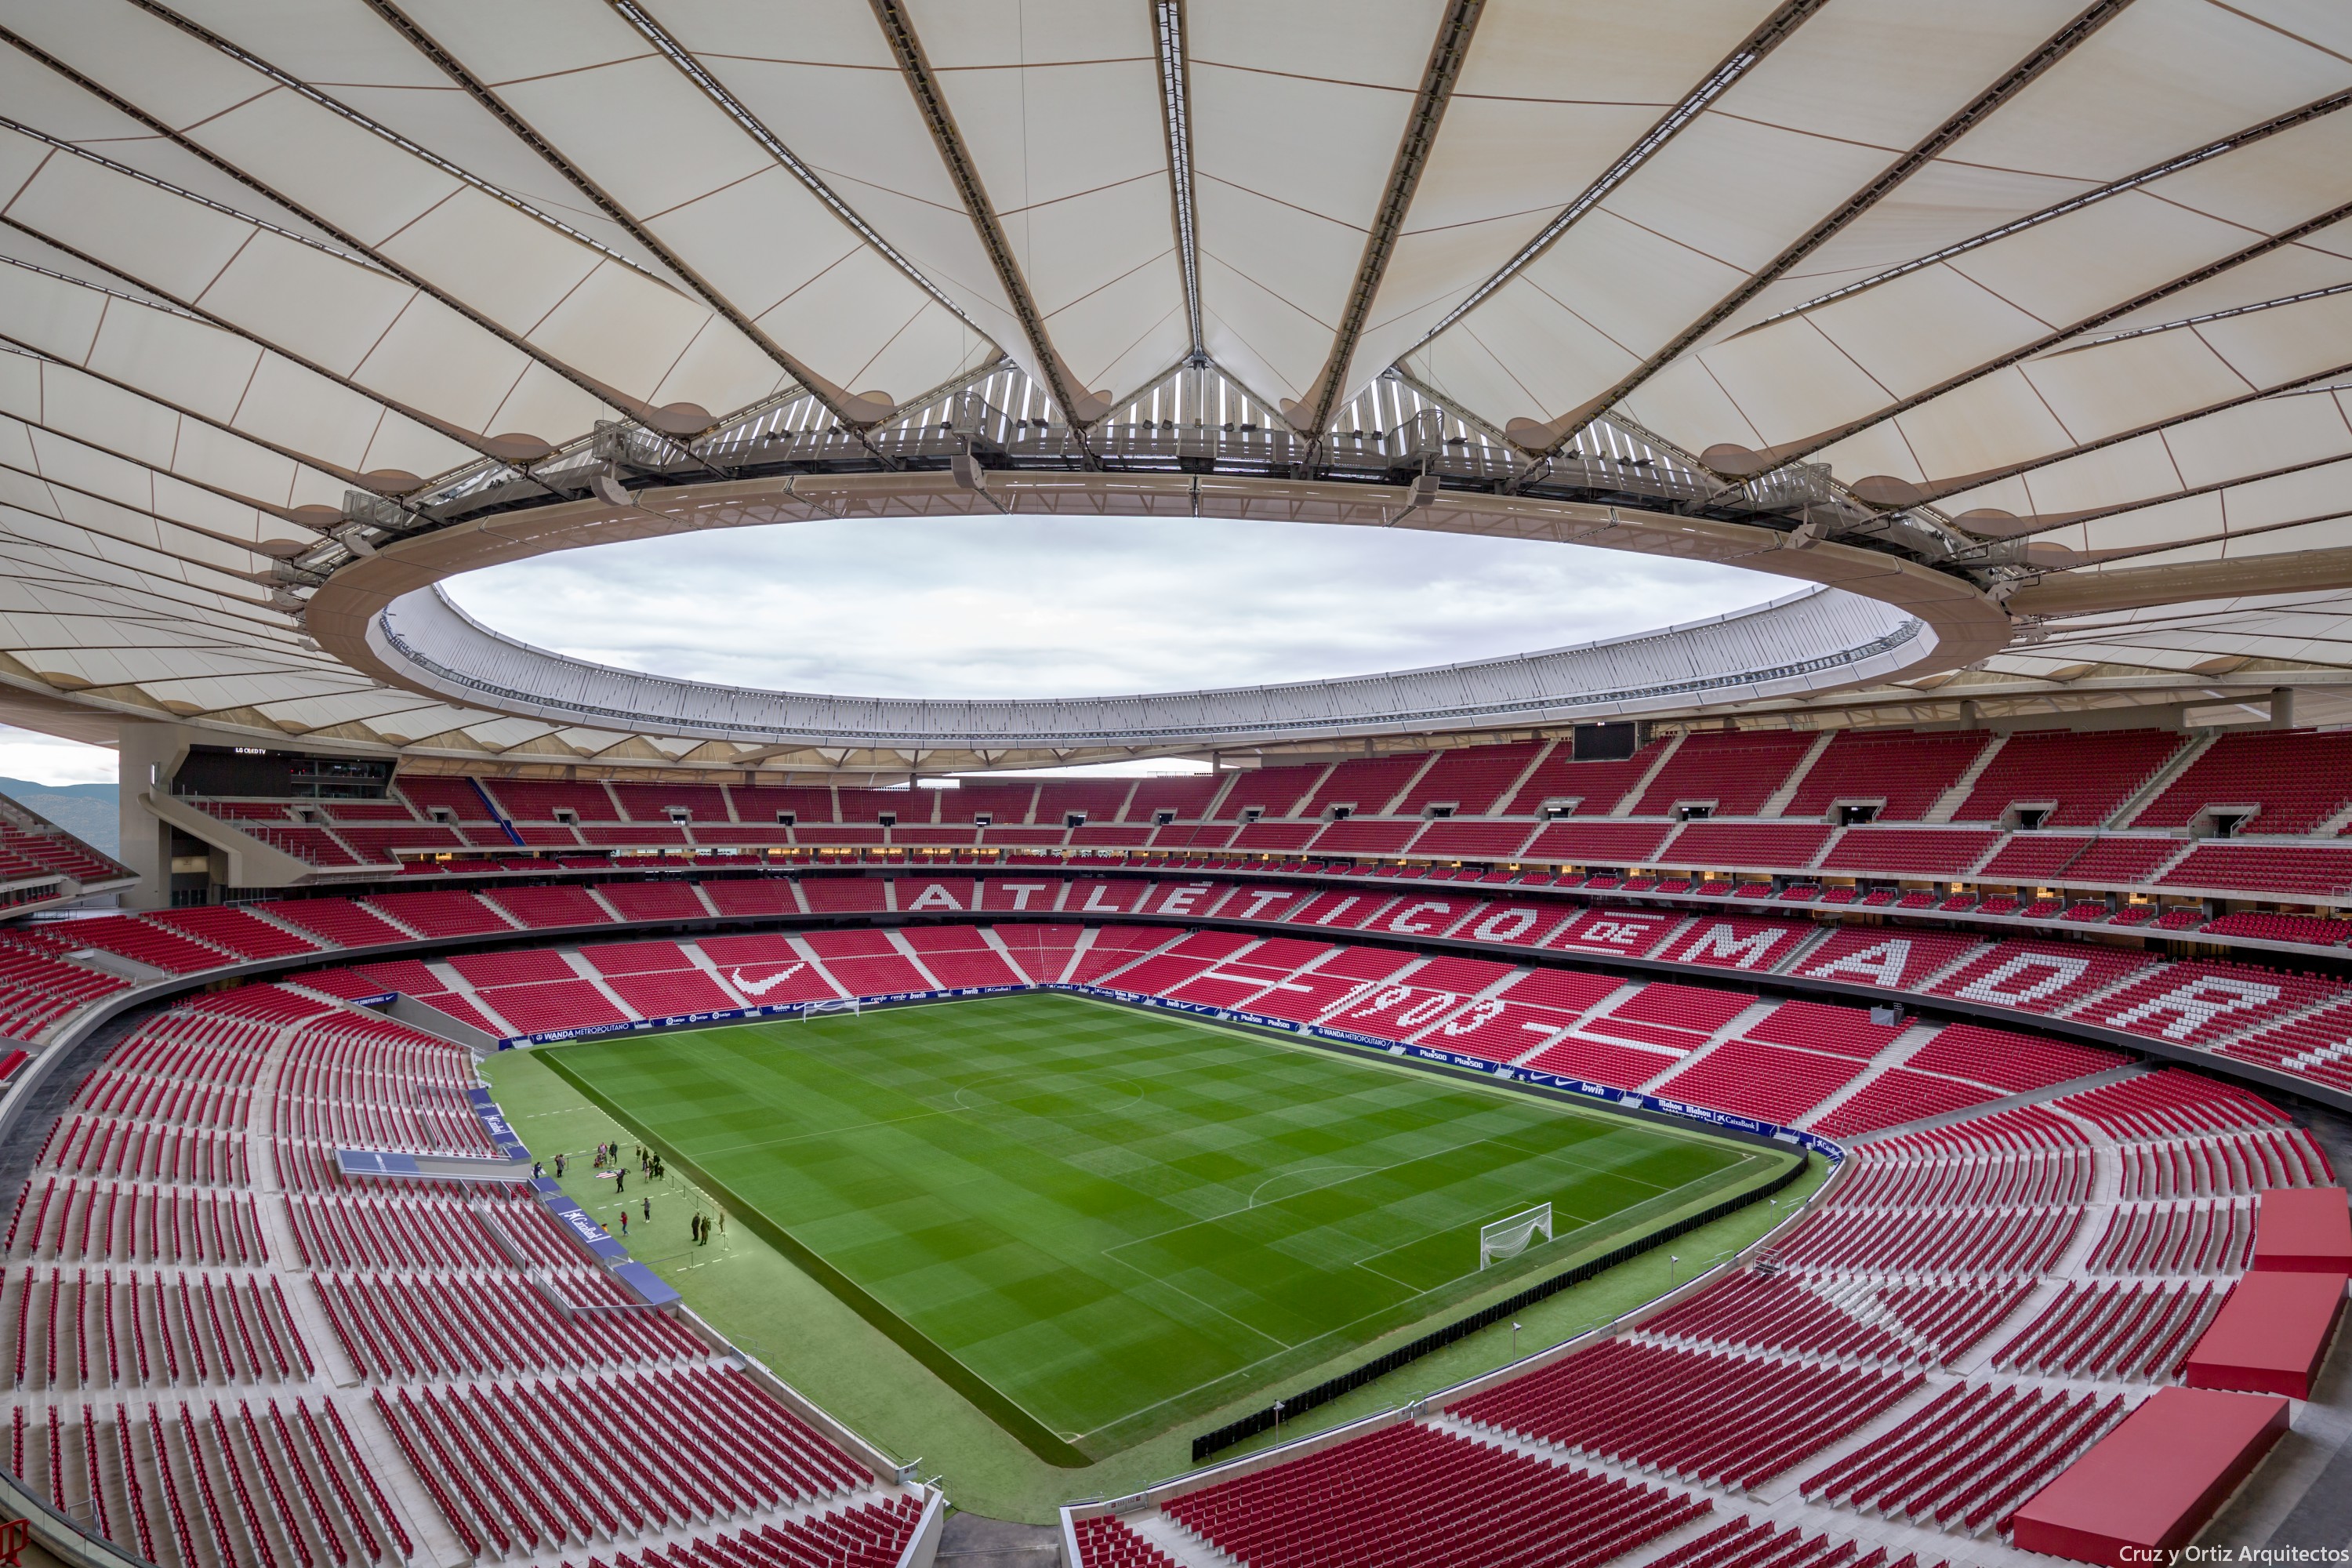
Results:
<point x="2269" y="1336"/>
<point x="2151" y="1484"/>
<point x="2304" y="1230"/>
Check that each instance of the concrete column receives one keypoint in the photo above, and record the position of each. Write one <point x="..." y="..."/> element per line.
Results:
<point x="147" y="755"/>
<point x="2282" y="708"/>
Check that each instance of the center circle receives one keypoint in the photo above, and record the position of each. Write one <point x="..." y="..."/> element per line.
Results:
<point x="1025" y="606"/>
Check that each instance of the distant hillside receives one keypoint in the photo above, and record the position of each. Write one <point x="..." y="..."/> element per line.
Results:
<point x="86" y="811"/>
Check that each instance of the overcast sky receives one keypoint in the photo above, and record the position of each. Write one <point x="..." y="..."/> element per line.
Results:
<point x="1046" y="608"/>
<point x="44" y="759"/>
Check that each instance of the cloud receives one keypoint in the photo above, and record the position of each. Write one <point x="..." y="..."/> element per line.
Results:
<point x="1078" y="608"/>
<point x="44" y="759"/>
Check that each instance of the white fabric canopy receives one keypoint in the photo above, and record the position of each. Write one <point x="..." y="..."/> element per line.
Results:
<point x="2081" y="277"/>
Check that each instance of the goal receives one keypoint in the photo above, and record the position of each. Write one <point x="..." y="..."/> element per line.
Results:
<point x="1510" y="1237"/>
<point x="838" y="1005"/>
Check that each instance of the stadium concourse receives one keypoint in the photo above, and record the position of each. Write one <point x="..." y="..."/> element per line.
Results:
<point x="1976" y="902"/>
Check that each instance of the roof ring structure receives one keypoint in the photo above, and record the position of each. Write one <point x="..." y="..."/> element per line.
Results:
<point x="1869" y="617"/>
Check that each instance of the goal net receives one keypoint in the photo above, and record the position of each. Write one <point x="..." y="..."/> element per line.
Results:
<point x="1510" y="1237"/>
<point x="838" y="1005"/>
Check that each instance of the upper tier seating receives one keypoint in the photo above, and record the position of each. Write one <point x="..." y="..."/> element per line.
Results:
<point x="1470" y="779"/>
<point x="1456" y="839"/>
<point x="1906" y="771"/>
<point x="655" y="802"/>
<point x="1587" y="789"/>
<point x="2080" y="779"/>
<point x="766" y="804"/>
<point x="37" y="989"/>
<point x="460" y="798"/>
<point x="1273" y="792"/>
<point x="1100" y="801"/>
<point x="2122" y="861"/>
<point x="540" y="800"/>
<point x="1366" y="786"/>
<point x="1734" y="772"/>
<point x="2295" y="780"/>
<point x="1004" y="804"/>
<point x="1186" y="797"/>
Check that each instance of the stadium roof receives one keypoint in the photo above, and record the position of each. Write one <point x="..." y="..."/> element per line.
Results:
<point x="2052" y="305"/>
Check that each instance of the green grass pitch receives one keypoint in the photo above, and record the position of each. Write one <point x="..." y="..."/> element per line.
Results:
<point x="1098" y="1221"/>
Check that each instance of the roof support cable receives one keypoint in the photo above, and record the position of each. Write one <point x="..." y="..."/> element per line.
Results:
<point x="1774" y="30"/>
<point x="2129" y="182"/>
<point x="1078" y="407"/>
<point x="2048" y="340"/>
<point x="1176" y="120"/>
<point x="1881" y="185"/>
<point x="1446" y="54"/>
<point x="603" y="200"/>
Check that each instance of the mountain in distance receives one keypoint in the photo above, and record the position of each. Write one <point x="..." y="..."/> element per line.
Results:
<point x="85" y="810"/>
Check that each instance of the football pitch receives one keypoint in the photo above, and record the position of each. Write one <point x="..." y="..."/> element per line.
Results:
<point x="1096" y="1222"/>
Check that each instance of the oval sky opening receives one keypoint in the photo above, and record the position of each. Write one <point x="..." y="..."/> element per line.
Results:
<point x="1029" y="607"/>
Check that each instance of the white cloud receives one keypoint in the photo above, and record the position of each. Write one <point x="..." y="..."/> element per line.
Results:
<point x="44" y="759"/>
<point x="1049" y="607"/>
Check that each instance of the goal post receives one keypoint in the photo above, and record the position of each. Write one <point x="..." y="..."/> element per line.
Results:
<point x="1508" y="1237"/>
<point x="837" y="1005"/>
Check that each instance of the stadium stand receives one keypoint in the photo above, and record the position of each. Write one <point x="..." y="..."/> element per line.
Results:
<point x="1710" y="844"/>
<point x="2080" y="779"/>
<point x="440" y="913"/>
<point x="2289" y="781"/>
<point x="1903" y="773"/>
<point x="1581" y="789"/>
<point x="1909" y="851"/>
<point x="1768" y="1082"/>
<point x="1470" y="779"/>
<point x="1734" y="773"/>
<point x="1365" y="788"/>
<point x="556" y="905"/>
<point x="1927" y="1248"/>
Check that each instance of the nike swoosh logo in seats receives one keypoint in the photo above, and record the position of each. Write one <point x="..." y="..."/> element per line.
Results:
<point x="761" y="988"/>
